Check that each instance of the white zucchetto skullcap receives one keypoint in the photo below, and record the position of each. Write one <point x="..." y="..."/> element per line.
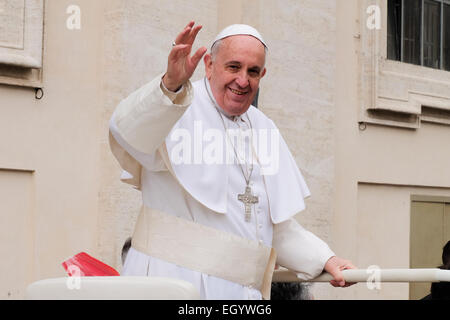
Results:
<point x="239" y="29"/>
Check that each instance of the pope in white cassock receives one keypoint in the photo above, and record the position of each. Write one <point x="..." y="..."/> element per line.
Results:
<point x="219" y="185"/>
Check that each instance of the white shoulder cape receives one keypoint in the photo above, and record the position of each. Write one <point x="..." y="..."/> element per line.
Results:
<point x="208" y="183"/>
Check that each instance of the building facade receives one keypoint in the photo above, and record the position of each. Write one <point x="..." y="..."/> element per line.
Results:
<point x="369" y="133"/>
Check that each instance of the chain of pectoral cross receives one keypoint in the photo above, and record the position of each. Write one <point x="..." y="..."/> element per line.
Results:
<point x="247" y="198"/>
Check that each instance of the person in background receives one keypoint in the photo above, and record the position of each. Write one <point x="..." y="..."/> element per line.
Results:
<point x="441" y="290"/>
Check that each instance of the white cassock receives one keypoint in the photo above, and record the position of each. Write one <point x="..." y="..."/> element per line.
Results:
<point x="206" y="187"/>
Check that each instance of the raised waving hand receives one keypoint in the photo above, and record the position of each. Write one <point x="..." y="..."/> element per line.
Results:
<point x="181" y="65"/>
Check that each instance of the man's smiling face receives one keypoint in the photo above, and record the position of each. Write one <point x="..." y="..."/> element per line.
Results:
<point x="234" y="72"/>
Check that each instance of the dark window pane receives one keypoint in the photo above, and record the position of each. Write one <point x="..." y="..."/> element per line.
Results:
<point x="446" y="37"/>
<point x="432" y="34"/>
<point x="411" y="31"/>
<point x="394" y="29"/>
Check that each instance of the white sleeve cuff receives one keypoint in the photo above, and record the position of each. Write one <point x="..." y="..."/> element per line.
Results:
<point x="172" y="95"/>
<point x="300" y="250"/>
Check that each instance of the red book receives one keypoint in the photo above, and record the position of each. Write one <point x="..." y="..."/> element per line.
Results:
<point x="83" y="265"/>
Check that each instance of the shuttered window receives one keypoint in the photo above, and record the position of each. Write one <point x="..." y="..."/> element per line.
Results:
<point x="419" y="32"/>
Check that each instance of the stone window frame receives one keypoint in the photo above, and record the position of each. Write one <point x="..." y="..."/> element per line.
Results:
<point x="394" y="93"/>
<point x="21" y="64"/>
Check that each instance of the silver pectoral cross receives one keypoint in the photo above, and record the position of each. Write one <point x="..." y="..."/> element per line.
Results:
<point x="248" y="199"/>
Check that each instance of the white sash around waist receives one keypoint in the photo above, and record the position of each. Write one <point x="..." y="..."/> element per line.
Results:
<point x="204" y="249"/>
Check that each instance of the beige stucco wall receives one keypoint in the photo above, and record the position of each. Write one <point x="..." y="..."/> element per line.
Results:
<point x="60" y="188"/>
<point x="50" y="153"/>
<point x="377" y="170"/>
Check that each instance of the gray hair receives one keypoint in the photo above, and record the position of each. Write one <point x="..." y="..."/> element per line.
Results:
<point x="215" y="48"/>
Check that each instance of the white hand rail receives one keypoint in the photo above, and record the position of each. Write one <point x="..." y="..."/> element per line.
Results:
<point x="378" y="275"/>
